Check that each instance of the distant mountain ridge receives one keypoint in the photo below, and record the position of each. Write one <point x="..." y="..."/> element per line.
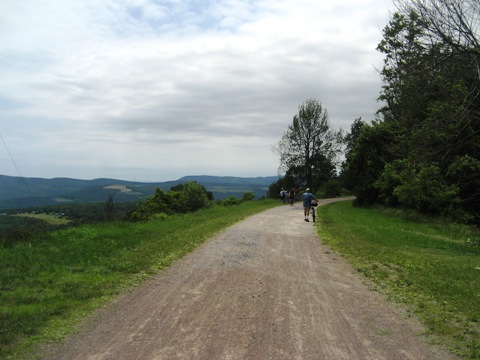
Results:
<point x="21" y="192"/>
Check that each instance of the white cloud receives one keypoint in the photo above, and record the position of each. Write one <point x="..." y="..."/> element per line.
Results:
<point x="171" y="88"/>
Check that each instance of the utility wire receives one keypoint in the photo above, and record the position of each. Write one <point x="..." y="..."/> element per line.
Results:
<point x="18" y="170"/>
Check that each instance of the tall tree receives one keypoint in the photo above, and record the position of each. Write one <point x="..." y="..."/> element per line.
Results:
<point x="351" y="138"/>
<point x="431" y="93"/>
<point x="431" y="78"/>
<point x="454" y="23"/>
<point x="309" y="149"/>
<point x="366" y="156"/>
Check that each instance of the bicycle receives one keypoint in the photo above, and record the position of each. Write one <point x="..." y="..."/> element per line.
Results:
<point x="312" y="209"/>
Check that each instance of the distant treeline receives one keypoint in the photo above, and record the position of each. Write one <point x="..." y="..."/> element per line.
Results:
<point x="19" y="192"/>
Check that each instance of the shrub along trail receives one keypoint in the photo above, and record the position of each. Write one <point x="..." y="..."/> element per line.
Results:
<point x="266" y="288"/>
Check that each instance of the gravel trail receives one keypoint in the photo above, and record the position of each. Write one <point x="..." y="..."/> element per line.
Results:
<point x="265" y="288"/>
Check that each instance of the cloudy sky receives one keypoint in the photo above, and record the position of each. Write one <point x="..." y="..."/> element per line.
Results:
<point x="153" y="90"/>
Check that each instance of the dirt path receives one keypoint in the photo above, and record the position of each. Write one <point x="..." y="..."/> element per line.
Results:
<point x="266" y="288"/>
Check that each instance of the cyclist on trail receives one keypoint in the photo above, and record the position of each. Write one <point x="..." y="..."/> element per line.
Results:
<point x="307" y="198"/>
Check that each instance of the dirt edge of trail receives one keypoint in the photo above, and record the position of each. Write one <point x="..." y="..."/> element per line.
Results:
<point x="265" y="288"/>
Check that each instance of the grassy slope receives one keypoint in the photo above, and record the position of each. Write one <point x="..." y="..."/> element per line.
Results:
<point x="430" y="267"/>
<point x="47" y="286"/>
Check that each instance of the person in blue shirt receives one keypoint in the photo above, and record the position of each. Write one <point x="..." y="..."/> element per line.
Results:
<point x="307" y="198"/>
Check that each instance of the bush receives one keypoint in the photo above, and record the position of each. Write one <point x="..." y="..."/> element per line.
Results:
<point x="155" y="204"/>
<point x="180" y="199"/>
<point x="424" y="190"/>
<point x="388" y="181"/>
<point x="463" y="172"/>
<point x="248" y="196"/>
<point x="189" y="197"/>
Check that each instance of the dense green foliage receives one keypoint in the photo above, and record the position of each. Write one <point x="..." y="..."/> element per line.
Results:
<point x="424" y="152"/>
<point x="53" y="280"/>
<point x="180" y="199"/>
<point x="431" y="266"/>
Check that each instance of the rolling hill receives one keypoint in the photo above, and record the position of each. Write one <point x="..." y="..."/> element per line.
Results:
<point x="21" y="192"/>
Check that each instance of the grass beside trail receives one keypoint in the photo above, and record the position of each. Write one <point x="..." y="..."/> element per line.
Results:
<point x="431" y="266"/>
<point x="48" y="285"/>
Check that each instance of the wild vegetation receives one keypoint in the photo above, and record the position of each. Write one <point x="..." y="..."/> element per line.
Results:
<point x="309" y="149"/>
<point x="52" y="279"/>
<point x="429" y="265"/>
<point x="18" y="225"/>
<point x="183" y="198"/>
<point x="309" y="152"/>
<point x="422" y="152"/>
<point x="19" y="192"/>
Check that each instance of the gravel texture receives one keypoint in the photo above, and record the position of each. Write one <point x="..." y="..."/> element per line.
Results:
<point x="266" y="288"/>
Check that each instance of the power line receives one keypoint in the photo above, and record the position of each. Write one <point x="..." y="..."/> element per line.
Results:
<point x="18" y="170"/>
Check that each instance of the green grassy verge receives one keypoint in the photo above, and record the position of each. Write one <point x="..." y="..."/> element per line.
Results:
<point x="433" y="267"/>
<point x="48" y="285"/>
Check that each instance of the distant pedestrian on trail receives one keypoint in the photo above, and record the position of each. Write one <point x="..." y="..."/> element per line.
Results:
<point x="291" y="196"/>
<point x="307" y="198"/>
<point x="283" y="196"/>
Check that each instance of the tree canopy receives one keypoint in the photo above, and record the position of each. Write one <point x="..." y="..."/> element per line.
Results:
<point x="309" y="149"/>
<point x="423" y="150"/>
